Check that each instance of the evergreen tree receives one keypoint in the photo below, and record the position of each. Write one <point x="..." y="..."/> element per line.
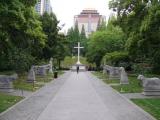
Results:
<point x="76" y="32"/>
<point x="101" y="26"/>
<point x="83" y="33"/>
<point x="49" y="24"/>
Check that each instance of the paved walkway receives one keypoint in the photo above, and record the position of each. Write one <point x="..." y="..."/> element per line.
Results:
<point x="30" y="108"/>
<point x="76" y="97"/>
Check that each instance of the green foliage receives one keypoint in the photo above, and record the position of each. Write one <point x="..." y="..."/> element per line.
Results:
<point x="117" y="59"/>
<point x="102" y="42"/>
<point x="49" y="25"/>
<point x="19" y="60"/>
<point x="74" y="36"/>
<point x="101" y="25"/>
<point x="140" y="23"/>
<point x="83" y="41"/>
<point x="76" y="32"/>
<point x="142" y="68"/>
<point x="21" y="35"/>
<point x="62" y="49"/>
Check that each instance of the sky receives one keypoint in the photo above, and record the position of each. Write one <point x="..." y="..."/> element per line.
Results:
<point x="66" y="9"/>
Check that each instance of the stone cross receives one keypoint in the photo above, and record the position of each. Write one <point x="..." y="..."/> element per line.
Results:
<point x="78" y="61"/>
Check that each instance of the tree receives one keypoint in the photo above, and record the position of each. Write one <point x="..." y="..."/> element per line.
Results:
<point x="101" y="26"/>
<point x="71" y="39"/>
<point x="49" y="25"/>
<point x="83" y="40"/>
<point x="139" y="21"/>
<point x="20" y="29"/>
<point x="102" y="42"/>
<point x="62" y="49"/>
<point x="74" y="36"/>
<point x="83" y="33"/>
<point x="76" y="32"/>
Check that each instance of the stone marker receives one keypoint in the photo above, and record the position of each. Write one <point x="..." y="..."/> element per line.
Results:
<point x="51" y="66"/>
<point x="123" y="77"/>
<point x="151" y="86"/>
<point x="31" y="76"/>
<point x="6" y="82"/>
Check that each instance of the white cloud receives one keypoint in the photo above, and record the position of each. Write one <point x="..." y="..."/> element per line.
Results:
<point x="66" y="9"/>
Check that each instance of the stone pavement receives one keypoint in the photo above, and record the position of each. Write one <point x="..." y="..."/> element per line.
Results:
<point x="30" y="108"/>
<point x="76" y="97"/>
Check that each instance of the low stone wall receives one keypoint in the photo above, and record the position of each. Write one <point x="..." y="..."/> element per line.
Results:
<point x="6" y="82"/>
<point x="38" y="70"/>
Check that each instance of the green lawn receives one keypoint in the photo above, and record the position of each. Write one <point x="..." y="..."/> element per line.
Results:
<point x="132" y="87"/>
<point x="40" y="81"/>
<point x="152" y="106"/>
<point x="7" y="101"/>
<point x="69" y="61"/>
<point x="105" y="77"/>
<point x="21" y="83"/>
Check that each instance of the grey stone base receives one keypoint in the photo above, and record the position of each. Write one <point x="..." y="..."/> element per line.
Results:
<point x="30" y="81"/>
<point x="6" y="90"/>
<point x="151" y="92"/>
<point x="124" y="83"/>
<point x="81" y="68"/>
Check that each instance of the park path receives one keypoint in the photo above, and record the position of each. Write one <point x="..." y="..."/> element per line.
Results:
<point x="78" y="97"/>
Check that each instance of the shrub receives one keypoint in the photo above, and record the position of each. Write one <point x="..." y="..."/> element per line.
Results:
<point x="117" y="59"/>
<point x="19" y="60"/>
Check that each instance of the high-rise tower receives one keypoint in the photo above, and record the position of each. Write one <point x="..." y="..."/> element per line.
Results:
<point x="43" y="6"/>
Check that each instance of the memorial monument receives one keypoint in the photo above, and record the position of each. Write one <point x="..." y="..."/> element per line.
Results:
<point x="81" y="66"/>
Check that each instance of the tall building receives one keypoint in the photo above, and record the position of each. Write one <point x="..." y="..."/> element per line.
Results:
<point x="47" y="6"/>
<point x="43" y="6"/>
<point x="89" y="18"/>
<point x="39" y="7"/>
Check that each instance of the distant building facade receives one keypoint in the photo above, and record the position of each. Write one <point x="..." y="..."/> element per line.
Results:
<point x="43" y="6"/>
<point x="89" y="18"/>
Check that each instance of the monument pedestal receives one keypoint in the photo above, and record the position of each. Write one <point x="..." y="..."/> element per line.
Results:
<point x="81" y="67"/>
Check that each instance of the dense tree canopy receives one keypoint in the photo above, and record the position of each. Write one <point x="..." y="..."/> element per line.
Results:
<point x="75" y="36"/>
<point x="20" y="31"/>
<point x="102" y="42"/>
<point x="49" y="25"/>
<point x="140" y="21"/>
<point x="27" y="38"/>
